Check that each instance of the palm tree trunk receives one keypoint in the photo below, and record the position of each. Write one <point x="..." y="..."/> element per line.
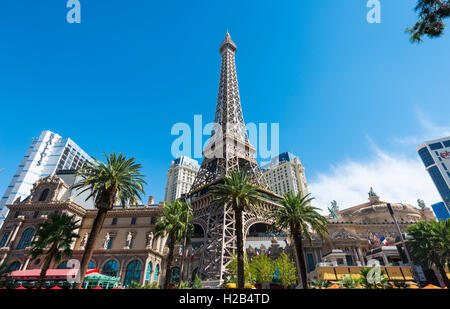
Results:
<point x="240" y="250"/>
<point x="442" y="272"/>
<point x="45" y="266"/>
<point x="300" y="258"/>
<point x="169" y="262"/>
<point x="95" y="231"/>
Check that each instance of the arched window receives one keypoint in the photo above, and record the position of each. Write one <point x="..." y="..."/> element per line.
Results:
<point x="14" y="266"/>
<point x="110" y="268"/>
<point x="148" y="273"/>
<point x="155" y="278"/>
<point x="91" y="264"/>
<point x="44" y="195"/>
<point x="25" y="240"/>
<point x="175" y="275"/>
<point x="133" y="272"/>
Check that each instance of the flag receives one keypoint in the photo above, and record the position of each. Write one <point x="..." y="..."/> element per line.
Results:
<point x="370" y="243"/>
<point x="384" y="241"/>
<point x="192" y="253"/>
<point x="257" y="252"/>
<point x="375" y="238"/>
<point x="268" y="252"/>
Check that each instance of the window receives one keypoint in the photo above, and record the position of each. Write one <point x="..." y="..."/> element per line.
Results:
<point x="349" y="260"/>
<point x="114" y="221"/>
<point x="133" y="273"/>
<point x="155" y="278"/>
<point x="435" y="146"/>
<point x="4" y="239"/>
<point x="36" y="213"/>
<point x="447" y="143"/>
<point x="44" y="195"/>
<point x="110" y="268"/>
<point x="311" y="265"/>
<point x="25" y="240"/>
<point x="110" y="241"/>
<point x="16" y="215"/>
<point x="133" y="220"/>
<point x="131" y="242"/>
<point x="14" y="266"/>
<point x="175" y="275"/>
<point x="148" y="273"/>
<point x="91" y="264"/>
<point x="426" y="156"/>
<point x="153" y="220"/>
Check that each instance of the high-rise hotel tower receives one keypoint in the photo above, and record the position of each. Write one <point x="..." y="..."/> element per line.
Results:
<point x="45" y="155"/>
<point x="435" y="155"/>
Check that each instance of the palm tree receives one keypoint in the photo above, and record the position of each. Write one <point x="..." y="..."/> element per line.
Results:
<point x="173" y="223"/>
<point x="241" y="195"/>
<point x="300" y="218"/>
<point x="117" y="179"/>
<point x="430" y="244"/>
<point x="57" y="234"/>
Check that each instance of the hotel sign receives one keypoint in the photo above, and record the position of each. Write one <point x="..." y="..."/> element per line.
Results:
<point x="43" y="152"/>
<point x="445" y="154"/>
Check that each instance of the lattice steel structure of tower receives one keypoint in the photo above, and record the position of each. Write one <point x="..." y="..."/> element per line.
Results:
<point x="228" y="149"/>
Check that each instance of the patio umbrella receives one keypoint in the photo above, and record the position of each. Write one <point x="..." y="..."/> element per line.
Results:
<point x="20" y="288"/>
<point x="97" y="288"/>
<point x="116" y="288"/>
<point x="333" y="287"/>
<point x="56" y="288"/>
<point x="430" y="286"/>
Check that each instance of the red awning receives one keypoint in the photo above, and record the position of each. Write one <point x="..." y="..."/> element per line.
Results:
<point x="34" y="274"/>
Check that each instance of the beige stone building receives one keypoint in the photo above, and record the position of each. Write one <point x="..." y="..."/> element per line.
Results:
<point x="126" y="247"/>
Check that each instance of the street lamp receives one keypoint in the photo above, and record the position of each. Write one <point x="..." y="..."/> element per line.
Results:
<point x="186" y="201"/>
<point x="408" y="257"/>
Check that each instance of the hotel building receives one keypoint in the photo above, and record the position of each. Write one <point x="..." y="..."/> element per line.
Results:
<point x="435" y="155"/>
<point x="285" y="173"/>
<point x="180" y="177"/>
<point x="45" y="155"/>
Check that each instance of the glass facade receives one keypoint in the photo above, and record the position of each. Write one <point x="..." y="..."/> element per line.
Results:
<point x="426" y="156"/>
<point x="435" y="146"/>
<point x="441" y="211"/>
<point x="440" y="184"/>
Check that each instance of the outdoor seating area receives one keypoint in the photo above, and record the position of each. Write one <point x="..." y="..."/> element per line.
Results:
<point x="59" y="279"/>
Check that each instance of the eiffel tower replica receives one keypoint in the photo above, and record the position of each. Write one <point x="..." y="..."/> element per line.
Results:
<point x="228" y="149"/>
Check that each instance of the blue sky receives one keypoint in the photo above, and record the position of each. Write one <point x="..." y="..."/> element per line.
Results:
<point x="353" y="99"/>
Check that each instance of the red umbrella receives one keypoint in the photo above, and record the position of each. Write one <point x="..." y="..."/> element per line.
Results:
<point x="21" y="288"/>
<point x="56" y="288"/>
<point x="117" y="288"/>
<point x="97" y="288"/>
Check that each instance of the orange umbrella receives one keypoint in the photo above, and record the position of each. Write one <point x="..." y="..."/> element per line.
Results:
<point x="430" y="286"/>
<point x="413" y="286"/>
<point x="333" y="287"/>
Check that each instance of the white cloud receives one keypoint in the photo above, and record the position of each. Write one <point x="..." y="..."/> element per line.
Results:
<point x="394" y="178"/>
<point x="429" y="131"/>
